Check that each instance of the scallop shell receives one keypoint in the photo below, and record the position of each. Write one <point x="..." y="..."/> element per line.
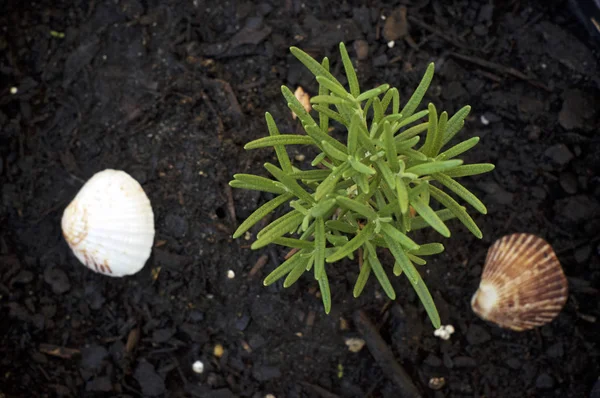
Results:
<point x="523" y="285"/>
<point x="110" y="224"/>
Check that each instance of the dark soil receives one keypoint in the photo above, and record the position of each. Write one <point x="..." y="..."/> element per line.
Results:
<point x="169" y="91"/>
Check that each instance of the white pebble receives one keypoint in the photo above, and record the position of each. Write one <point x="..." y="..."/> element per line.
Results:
<point x="230" y="274"/>
<point x="14" y="90"/>
<point x="391" y="44"/>
<point x="198" y="367"/>
<point x="484" y="120"/>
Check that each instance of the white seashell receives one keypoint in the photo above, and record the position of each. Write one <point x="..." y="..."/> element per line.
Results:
<point x="522" y="286"/>
<point x="110" y="224"/>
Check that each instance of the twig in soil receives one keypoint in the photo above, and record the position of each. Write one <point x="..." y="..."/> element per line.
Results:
<point x="132" y="340"/>
<point x="443" y="35"/>
<point x="230" y="205"/>
<point x="56" y="351"/>
<point x="262" y="260"/>
<point x="319" y="390"/>
<point x="501" y="69"/>
<point x="384" y="356"/>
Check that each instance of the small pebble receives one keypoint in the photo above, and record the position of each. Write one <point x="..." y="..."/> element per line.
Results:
<point x="355" y="344"/>
<point x="218" y="351"/>
<point x="436" y="383"/>
<point x="391" y="44"/>
<point x="230" y="274"/>
<point x="14" y="90"/>
<point x="198" y="367"/>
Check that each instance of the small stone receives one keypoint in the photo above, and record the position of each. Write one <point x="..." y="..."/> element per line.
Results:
<point x="361" y="47"/>
<point x="568" y="182"/>
<point x="92" y="356"/>
<point x="464" y="362"/>
<point x="22" y="277"/>
<point x="150" y="381"/>
<point x="265" y="373"/>
<point x="433" y="360"/>
<point x="556" y="350"/>
<point x="242" y="322"/>
<point x="57" y="279"/>
<point x="582" y="254"/>
<point x="544" y="382"/>
<point x="230" y="274"/>
<point x="559" y="154"/>
<point x="102" y="384"/>
<point x="162" y="335"/>
<point x="198" y="367"/>
<point x="513" y="363"/>
<point x="477" y="335"/>
<point x="436" y="383"/>
<point x="396" y="25"/>
<point x="218" y="351"/>
<point x="578" y="110"/>
<point x="354" y="344"/>
<point x="575" y="209"/>
<point x="480" y="30"/>
<point x="175" y="225"/>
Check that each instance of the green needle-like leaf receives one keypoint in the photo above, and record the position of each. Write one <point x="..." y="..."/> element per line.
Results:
<point x="328" y="185"/>
<point x="312" y="65"/>
<point x="354" y="244"/>
<point x="387" y="174"/>
<point x="357" y="207"/>
<point x="321" y="208"/>
<point x="280" y="140"/>
<point x="318" y="175"/>
<point x="459" y="148"/>
<point x="350" y="73"/>
<point x="470" y="170"/>
<point x="282" y="156"/>
<point x="334" y="87"/>
<point x="428" y="302"/>
<point x="260" y="213"/>
<point x="374" y="92"/>
<point x="295" y="273"/>
<point x="334" y="152"/>
<point x="256" y="183"/>
<point x="353" y="132"/>
<point x="459" y="211"/>
<point x="363" y="277"/>
<point x="325" y="293"/>
<point x="417" y="96"/>
<point x="289" y="183"/>
<point x="278" y="228"/>
<point x="461" y="191"/>
<point x="323" y="110"/>
<point x="428" y="249"/>
<point x="323" y="117"/>
<point x="455" y="123"/>
<point x="429" y="215"/>
<point x="390" y="147"/>
<point x="434" y="167"/>
<point x="402" y="193"/>
<point x="361" y="167"/>
<point x="284" y="268"/>
<point x="439" y="135"/>
<point x="296" y="243"/>
<point x="432" y="129"/>
<point x="329" y="99"/>
<point x="410" y="133"/>
<point x="399" y="237"/>
<point x="415" y="259"/>
<point x="340" y="226"/>
<point x="297" y="107"/>
<point x="401" y="258"/>
<point x="319" y="250"/>
<point x="420" y="223"/>
<point x="380" y="272"/>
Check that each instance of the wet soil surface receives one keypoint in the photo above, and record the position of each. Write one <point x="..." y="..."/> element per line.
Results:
<point x="169" y="91"/>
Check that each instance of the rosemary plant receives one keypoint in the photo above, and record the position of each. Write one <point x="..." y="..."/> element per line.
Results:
<point x="369" y="193"/>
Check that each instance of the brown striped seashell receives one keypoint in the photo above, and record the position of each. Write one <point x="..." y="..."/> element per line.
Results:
<point x="522" y="286"/>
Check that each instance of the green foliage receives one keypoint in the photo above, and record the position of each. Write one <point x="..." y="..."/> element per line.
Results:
<point x="369" y="193"/>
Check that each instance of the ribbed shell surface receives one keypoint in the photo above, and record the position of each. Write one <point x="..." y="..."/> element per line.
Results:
<point x="110" y="224"/>
<point x="522" y="285"/>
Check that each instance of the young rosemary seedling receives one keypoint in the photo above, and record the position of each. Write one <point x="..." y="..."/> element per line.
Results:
<point x="369" y="193"/>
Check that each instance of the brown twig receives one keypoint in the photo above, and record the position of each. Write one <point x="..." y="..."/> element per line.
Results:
<point x="384" y="356"/>
<point x="262" y="260"/>
<point x="57" y="351"/>
<point x="444" y="36"/>
<point x="501" y="69"/>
